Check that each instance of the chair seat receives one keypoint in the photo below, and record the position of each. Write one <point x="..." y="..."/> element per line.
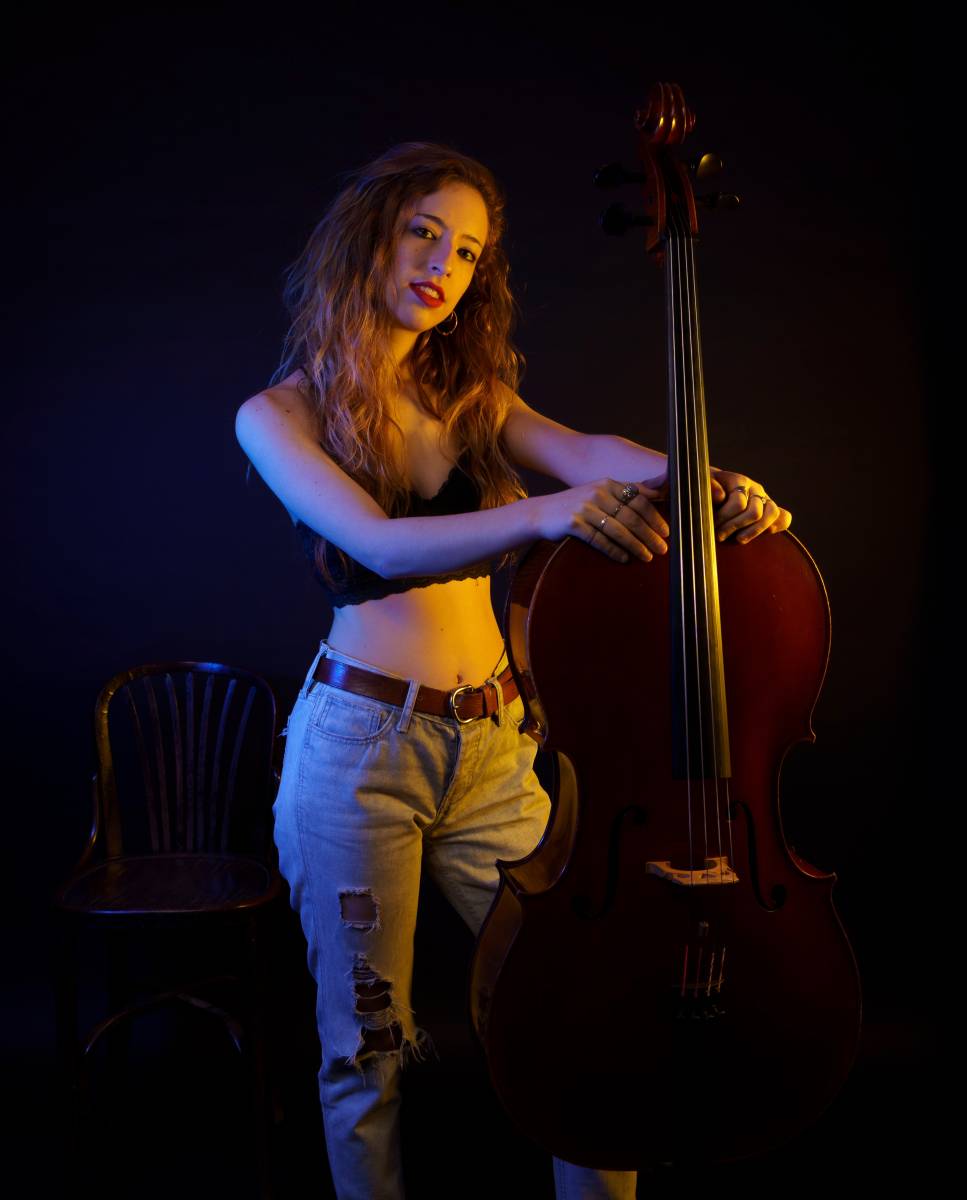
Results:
<point x="171" y="883"/>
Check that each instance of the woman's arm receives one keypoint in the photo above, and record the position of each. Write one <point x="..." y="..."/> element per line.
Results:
<point x="278" y="439"/>
<point x="540" y="444"/>
<point x="280" y="444"/>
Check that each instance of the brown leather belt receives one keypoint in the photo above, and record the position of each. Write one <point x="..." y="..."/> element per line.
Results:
<point x="464" y="703"/>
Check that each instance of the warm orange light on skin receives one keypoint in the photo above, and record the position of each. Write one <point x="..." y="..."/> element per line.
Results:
<point x="440" y="240"/>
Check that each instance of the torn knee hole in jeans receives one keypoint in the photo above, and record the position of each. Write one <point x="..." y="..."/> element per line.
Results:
<point x="359" y="909"/>
<point x="381" y="1028"/>
<point x="382" y="1037"/>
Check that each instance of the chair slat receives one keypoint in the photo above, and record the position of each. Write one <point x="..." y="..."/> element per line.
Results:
<point x="150" y="792"/>
<point x="161" y="772"/>
<point x="203" y="791"/>
<point x="194" y="808"/>
<point x="214" y="795"/>
<point x="177" y="748"/>
<point x="233" y="769"/>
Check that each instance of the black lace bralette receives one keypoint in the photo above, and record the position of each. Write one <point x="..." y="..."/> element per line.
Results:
<point x="354" y="583"/>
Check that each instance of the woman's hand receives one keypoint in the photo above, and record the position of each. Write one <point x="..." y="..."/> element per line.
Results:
<point x="744" y="505"/>
<point x="620" y="523"/>
<point x="614" y="517"/>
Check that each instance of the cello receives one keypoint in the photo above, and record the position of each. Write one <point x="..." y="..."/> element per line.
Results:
<point x="663" y="979"/>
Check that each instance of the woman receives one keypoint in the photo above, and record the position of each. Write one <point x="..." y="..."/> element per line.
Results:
<point x="392" y="438"/>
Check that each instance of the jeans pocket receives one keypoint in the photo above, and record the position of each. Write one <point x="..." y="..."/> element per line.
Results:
<point x="346" y="717"/>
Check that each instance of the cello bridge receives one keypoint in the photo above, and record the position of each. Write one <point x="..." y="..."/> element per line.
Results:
<point x="716" y="870"/>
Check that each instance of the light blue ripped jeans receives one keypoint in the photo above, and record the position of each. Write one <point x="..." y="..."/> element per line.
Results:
<point x="369" y="793"/>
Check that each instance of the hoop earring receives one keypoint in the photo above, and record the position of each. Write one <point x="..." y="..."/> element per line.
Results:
<point x="446" y="332"/>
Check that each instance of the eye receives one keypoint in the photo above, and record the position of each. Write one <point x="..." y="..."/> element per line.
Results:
<point x="420" y="230"/>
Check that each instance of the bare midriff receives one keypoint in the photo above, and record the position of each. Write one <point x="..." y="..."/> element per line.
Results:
<point x="444" y="635"/>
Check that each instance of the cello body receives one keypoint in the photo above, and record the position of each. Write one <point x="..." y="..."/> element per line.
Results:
<point x="629" y="1019"/>
<point x="664" y="979"/>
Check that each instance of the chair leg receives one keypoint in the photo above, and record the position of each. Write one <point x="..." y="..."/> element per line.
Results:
<point x="262" y="1109"/>
<point x="62" y="945"/>
<point x="78" y="1107"/>
<point x="118" y="1050"/>
<point x="70" y="1078"/>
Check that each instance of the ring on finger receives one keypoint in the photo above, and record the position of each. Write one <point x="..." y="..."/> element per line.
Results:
<point x="628" y="492"/>
<point x="617" y="510"/>
<point x="601" y="522"/>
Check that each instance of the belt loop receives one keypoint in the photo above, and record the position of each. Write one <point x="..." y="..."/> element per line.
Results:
<point x="502" y="663"/>
<point x="403" y="724"/>
<point x="500" y="698"/>
<point x="310" y="683"/>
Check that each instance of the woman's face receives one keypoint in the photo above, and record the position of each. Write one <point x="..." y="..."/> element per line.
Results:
<point x="443" y="236"/>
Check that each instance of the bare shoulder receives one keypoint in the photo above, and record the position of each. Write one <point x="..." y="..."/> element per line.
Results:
<point x="277" y="428"/>
<point x="285" y="401"/>
<point x="274" y="428"/>
<point x="507" y="402"/>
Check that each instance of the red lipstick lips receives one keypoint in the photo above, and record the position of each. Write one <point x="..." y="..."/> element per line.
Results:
<point x="432" y="295"/>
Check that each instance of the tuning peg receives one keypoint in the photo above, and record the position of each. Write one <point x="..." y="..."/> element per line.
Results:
<point x="705" y="166"/>
<point x="614" y="175"/>
<point x="616" y="219"/>
<point x="719" y="200"/>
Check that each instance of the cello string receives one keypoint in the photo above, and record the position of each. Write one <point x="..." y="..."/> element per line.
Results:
<point x="722" y="783"/>
<point x="688" y="418"/>
<point x="700" y="622"/>
<point x="674" y="352"/>
<point x="708" y="553"/>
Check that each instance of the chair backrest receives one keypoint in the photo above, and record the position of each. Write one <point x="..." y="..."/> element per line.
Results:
<point x="184" y="761"/>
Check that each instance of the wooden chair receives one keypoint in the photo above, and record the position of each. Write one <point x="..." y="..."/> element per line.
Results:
<point x="180" y="848"/>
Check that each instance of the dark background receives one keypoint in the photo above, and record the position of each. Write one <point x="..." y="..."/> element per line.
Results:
<point x="179" y="158"/>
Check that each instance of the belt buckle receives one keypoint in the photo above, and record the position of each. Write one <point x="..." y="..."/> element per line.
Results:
<point x="452" y="701"/>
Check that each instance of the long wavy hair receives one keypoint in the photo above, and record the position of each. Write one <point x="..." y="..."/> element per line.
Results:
<point x="339" y="333"/>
